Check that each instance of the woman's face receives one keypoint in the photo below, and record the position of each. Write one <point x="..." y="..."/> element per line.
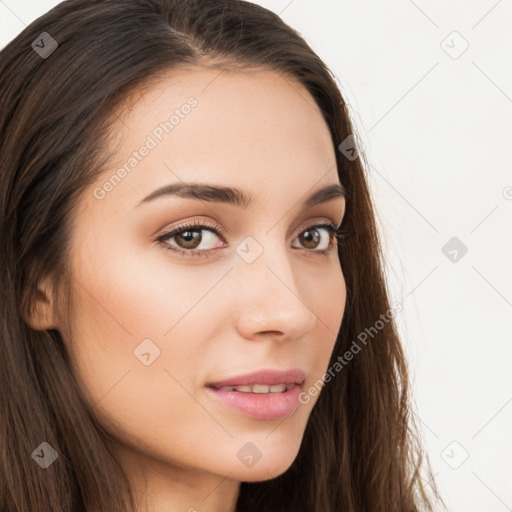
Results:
<point x="151" y="327"/>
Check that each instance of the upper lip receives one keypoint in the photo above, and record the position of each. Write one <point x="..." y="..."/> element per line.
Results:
<point x="267" y="376"/>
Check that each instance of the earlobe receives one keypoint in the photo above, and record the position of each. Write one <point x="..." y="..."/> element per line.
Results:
<point x="41" y="316"/>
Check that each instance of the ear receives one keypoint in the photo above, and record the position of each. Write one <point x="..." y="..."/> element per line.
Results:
<point x="42" y="315"/>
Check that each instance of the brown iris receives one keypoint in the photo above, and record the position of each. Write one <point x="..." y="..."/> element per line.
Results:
<point x="188" y="237"/>
<point x="310" y="236"/>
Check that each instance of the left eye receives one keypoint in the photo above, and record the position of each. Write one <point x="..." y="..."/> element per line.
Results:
<point x="188" y="237"/>
<point x="312" y="236"/>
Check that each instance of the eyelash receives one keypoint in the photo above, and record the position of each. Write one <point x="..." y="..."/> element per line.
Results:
<point x="331" y="228"/>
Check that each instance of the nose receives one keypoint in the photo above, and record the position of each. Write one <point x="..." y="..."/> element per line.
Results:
<point x="269" y="300"/>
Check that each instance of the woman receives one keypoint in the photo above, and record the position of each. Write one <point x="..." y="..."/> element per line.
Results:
<point x="194" y="311"/>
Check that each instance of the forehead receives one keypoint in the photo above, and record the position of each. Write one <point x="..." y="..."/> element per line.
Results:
<point x="257" y="129"/>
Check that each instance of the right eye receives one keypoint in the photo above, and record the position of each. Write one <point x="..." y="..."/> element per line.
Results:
<point x="189" y="237"/>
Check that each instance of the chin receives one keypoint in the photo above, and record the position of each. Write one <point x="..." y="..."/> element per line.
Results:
<point x="262" y="475"/>
<point x="267" y="469"/>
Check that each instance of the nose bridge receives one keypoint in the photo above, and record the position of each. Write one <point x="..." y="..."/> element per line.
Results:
<point x="269" y="298"/>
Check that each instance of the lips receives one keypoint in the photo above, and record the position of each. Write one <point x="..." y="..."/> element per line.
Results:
<point x="259" y="406"/>
<point x="262" y="380"/>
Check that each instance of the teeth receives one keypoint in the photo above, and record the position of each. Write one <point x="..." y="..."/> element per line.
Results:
<point x="244" y="389"/>
<point x="277" y="388"/>
<point x="259" y="388"/>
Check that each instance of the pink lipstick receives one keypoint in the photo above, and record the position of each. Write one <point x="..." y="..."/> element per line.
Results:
<point x="265" y="395"/>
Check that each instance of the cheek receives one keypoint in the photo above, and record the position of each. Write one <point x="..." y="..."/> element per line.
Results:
<point x="135" y="309"/>
<point x="327" y="300"/>
<point x="332" y="300"/>
<point x="123" y="383"/>
<point x="135" y="293"/>
<point x="326" y="295"/>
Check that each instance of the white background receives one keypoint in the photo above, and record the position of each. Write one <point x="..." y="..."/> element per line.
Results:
<point x="436" y="124"/>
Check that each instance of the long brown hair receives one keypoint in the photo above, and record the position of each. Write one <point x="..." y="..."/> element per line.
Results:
<point x="361" y="449"/>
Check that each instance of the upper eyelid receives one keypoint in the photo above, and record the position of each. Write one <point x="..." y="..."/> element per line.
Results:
<point x="198" y="224"/>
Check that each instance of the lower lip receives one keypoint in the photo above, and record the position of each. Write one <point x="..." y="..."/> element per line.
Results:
<point x="262" y="406"/>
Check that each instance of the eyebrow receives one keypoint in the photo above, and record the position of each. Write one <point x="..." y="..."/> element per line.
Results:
<point x="236" y="196"/>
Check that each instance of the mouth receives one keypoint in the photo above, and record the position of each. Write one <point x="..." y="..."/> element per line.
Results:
<point x="263" y="395"/>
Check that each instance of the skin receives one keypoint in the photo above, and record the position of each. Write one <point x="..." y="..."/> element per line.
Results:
<point x="214" y="317"/>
